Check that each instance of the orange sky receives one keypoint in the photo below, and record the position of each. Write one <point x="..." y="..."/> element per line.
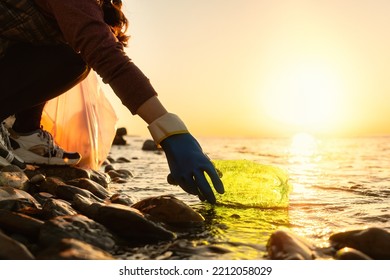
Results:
<point x="265" y="68"/>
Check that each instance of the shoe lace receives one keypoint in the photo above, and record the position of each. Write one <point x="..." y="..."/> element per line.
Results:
<point x="53" y="148"/>
<point x="4" y="136"/>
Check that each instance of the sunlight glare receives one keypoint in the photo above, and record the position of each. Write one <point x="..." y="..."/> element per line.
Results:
<point x="303" y="144"/>
<point x="306" y="96"/>
<point x="303" y="157"/>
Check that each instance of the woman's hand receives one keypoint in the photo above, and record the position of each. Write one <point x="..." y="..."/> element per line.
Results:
<point x="189" y="165"/>
<point x="187" y="162"/>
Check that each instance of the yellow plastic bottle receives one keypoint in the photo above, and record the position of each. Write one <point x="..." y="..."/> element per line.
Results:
<point x="251" y="184"/>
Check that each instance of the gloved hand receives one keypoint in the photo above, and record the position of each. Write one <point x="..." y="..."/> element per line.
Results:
<point x="188" y="165"/>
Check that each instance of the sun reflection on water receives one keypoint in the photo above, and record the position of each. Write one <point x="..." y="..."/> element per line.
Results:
<point x="303" y="146"/>
<point x="303" y="158"/>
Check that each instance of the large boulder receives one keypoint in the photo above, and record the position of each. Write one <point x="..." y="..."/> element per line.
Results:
<point x="374" y="242"/>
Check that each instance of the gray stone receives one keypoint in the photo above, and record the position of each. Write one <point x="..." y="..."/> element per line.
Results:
<point x="168" y="209"/>
<point x="285" y="245"/>
<point x="79" y="227"/>
<point x="122" y="198"/>
<point x="374" y="242"/>
<point x="90" y="185"/>
<point x="57" y="207"/>
<point x="126" y="222"/>
<point x="12" y="249"/>
<point x="13" y="176"/>
<point x="350" y="254"/>
<point x="18" y="201"/>
<point x="73" y="249"/>
<point x="149" y="145"/>
<point x="20" y="223"/>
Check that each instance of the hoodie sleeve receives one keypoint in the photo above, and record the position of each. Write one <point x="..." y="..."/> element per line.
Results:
<point x="82" y="25"/>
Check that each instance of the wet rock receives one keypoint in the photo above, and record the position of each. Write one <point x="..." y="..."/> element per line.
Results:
<point x="124" y="221"/>
<point x="122" y="160"/>
<point x="13" y="176"/>
<point x="86" y="206"/>
<point x="123" y="174"/>
<point x="57" y="207"/>
<point x="100" y="177"/>
<point x="67" y="192"/>
<point x="79" y="227"/>
<point x="131" y="224"/>
<point x="350" y="254"/>
<point x="149" y="145"/>
<point x="65" y="173"/>
<point x="18" y="201"/>
<point x="50" y="185"/>
<point x="121" y="198"/>
<point x="114" y="174"/>
<point x="284" y="245"/>
<point x="108" y="167"/>
<point x="73" y="249"/>
<point x="110" y="159"/>
<point x="169" y="210"/>
<point x="374" y="242"/>
<point x="20" y="223"/>
<point x="90" y="185"/>
<point x="42" y="197"/>
<point x="12" y="249"/>
<point x="37" y="179"/>
<point x="118" y="139"/>
<point x="59" y="189"/>
<point x="119" y="181"/>
<point x="122" y="131"/>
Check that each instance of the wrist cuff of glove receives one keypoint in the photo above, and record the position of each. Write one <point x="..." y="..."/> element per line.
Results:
<point x="165" y="126"/>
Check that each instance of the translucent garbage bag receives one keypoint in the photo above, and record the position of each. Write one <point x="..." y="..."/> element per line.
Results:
<point x="82" y="120"/>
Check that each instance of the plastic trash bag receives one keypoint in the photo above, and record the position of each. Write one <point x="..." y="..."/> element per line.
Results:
<point x="250" y="184"/>
<point x="82" y="120"/>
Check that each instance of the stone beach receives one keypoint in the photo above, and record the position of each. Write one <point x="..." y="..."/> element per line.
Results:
<point x="72" y="213"/>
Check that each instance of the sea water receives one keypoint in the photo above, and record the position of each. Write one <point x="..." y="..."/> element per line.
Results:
<point x="337" y="184"/>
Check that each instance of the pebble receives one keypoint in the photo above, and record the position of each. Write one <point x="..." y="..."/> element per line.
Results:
<point x="39" y="220"/>
<point x="149" y="145"/>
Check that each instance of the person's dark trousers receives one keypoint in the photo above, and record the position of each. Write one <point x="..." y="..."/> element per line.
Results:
<point x="31" y="75"/>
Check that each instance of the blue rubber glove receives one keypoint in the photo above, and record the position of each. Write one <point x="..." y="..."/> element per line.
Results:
<point x="188" y="165"/>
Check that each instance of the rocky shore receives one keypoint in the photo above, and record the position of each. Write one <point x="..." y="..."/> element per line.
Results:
<point x="70" y="213"/>
<point x="56" y="213"/>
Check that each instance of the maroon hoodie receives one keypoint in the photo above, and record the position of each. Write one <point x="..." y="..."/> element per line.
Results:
<point x="83" y="28"/>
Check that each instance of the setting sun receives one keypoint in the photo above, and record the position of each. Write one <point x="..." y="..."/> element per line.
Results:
<point x="274" y="69"/>
<point x="304" y="96"/>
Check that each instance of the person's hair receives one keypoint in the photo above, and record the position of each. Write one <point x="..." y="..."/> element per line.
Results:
<point x="115" y="18"/>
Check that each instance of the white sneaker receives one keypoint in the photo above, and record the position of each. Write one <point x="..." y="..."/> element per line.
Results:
<point x="38" y="147"/>
<point x="7" y="156"/>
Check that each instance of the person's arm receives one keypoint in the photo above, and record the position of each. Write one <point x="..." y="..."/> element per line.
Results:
<point x="151" y="110"/>
<point x="187" y="162"/>
<point x="83" y="27"/>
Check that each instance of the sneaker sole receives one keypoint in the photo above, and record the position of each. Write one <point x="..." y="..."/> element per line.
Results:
<point x="7" y="158"/>
<point x="32" y="158"/>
